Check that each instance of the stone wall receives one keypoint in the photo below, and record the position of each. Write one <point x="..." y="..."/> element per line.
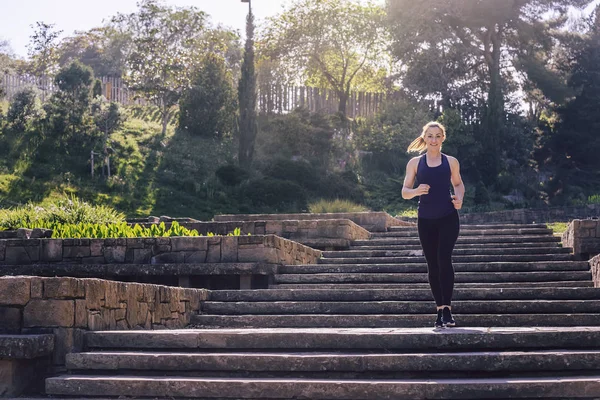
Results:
<point x="529" y="216"/>
<point x="67" y="307"/>
<point x="268" y="249"/>
<point x="314" y="233"/>
<point x="371" y="221"/>
<point x="595" y="265"/>
<point x="584" y="237"/>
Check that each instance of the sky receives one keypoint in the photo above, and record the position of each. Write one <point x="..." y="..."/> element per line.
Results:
<point x="17" y="16"/>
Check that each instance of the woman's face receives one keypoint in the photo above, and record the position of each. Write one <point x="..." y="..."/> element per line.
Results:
<point x="434" y="137"/>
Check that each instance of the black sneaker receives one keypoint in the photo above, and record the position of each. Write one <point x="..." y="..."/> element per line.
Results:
<point x="447" y="319"/>
<point x="438" y="322"/>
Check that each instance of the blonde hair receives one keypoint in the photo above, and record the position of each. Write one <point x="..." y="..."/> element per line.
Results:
<point x="418" y="145"/>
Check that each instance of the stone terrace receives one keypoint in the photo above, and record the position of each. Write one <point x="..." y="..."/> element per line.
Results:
<point x="355" y="324"/>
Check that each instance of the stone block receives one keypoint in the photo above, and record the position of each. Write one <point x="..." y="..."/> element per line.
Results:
<point x="166" y="258"/>
<point x="37" y="288"/>
<point x="214" y="252"/>
<point x="229" y="249"/>
<point x="194" y="257"/>
<point x="63" y="288"/>
<point x="17" y="255"/>
<point x="48" y="313"/>
<point x="188" y="244"/>
<point x="114" y="254"/>
<point x="52" y="250"/>
<point x="135" y="243"/>
<point x="142" y="256"/>
<point x="67" y="340"/>
<point x="264" y="254"/>
<point x="12" y="320"/>
<point x="2" y="249"/>
<point x="81" y="314"/>
<point x="14" y="291"/>
<point x="94" y="293"/>
<point x="96" y="246"/>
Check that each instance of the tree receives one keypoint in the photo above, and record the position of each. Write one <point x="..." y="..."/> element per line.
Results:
<point x="108" y="117"/>
<point x="471" y="47"/>
<point x="247" y="99"/>
<point x="165" y="41"/>
<point x="208" y="107"/>
<point x="572" y="145"/>
<point x="43" y="49"/>
<point x="70" y="105"/>
<point x="329" y="43"/>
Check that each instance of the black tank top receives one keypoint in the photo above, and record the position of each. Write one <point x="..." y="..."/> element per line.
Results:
<point x="438" y="202"/>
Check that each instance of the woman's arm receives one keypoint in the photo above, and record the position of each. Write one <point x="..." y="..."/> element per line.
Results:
<point x="457" y="182"/>
<point x="409" y="181"/>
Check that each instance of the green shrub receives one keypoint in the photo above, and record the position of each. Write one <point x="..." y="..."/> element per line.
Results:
<point x="594" y="199"/>
<point x="25" y="109"/>
<point x="335" y="206"/>
<point x="231" y="175"/>
<point x="67" y="210"/>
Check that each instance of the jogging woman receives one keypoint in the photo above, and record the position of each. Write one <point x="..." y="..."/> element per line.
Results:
<point x="438" y="222"/>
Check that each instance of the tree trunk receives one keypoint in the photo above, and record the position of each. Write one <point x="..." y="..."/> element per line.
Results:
<point x="343" y="106"/>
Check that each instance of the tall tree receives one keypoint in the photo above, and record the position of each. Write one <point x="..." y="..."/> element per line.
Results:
<point x="247" y="98"/>
<point x="471" y="47"/>
<point x="166" y="44"/>
<point x="330" y="43"/>
<point x="43" y="49"/>
<point x="571" y="147"/>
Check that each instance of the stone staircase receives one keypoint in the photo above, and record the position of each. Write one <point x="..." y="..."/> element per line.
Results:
<point x="357" y="326"/>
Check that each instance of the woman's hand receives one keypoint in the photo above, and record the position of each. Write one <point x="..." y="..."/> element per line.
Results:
<point x="422" y="189"/>
<point x="457" y="202"/>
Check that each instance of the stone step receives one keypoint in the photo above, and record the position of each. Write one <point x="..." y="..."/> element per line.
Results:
<point x="391" y="320"/>
<point x="325" y="363"/>
<point x="476" y="338"/>
<point x="464" y="227"/>
<point x="484" y="246"/>
<point x="473" y="277"/>
<point x="463" y="240"/>
<point x="484" y="258"/>
<point x="403" y="294"/>
<point x="287" y="388"/>
<point x="401" y="307"/>
<point x="458" y="285"/>
<point x="457" y="252"/>
<point x="470" y="232"/>
<point x="422" y="268"/>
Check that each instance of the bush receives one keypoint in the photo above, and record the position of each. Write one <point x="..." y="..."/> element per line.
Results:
<point x="24" y="110"/>
<point x="231" y="175"/>
<point x="335" y="206"/>
<point x="208" y="107"/>
<point x="68" y="210"/>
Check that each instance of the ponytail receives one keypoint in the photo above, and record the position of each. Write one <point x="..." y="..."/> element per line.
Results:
<point x="417" y="146"/>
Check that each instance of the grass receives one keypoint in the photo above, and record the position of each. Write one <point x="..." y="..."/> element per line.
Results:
<point x="335" y="206"/>
<point x="558" y="227"/>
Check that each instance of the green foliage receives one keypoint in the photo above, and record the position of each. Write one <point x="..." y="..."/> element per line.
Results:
<point x="335" y="43"/>
<point x="208" y="107"/>
<point x="247" y="99"/>
<point x="122" y="230"/>
<point x="43" y="49"/>
<point x="594" y="199"/>
<point x="275" y="194"/>
<point x="167" y="44"/>
<point x="68" y="109"/>
<point x="25" y="110"/>
<point x="65" y="210"/>
<point x="231" y="175"/>
<point x="299" y="135"/>
<point x="558" y="228"/>
<point x="335" y="206"/>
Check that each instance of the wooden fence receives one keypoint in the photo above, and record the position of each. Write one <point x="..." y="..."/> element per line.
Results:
<point x="281" y="99"/>
<point x="272" y="99"/>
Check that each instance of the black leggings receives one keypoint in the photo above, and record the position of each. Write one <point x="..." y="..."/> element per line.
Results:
<point x="438" y="237"/>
